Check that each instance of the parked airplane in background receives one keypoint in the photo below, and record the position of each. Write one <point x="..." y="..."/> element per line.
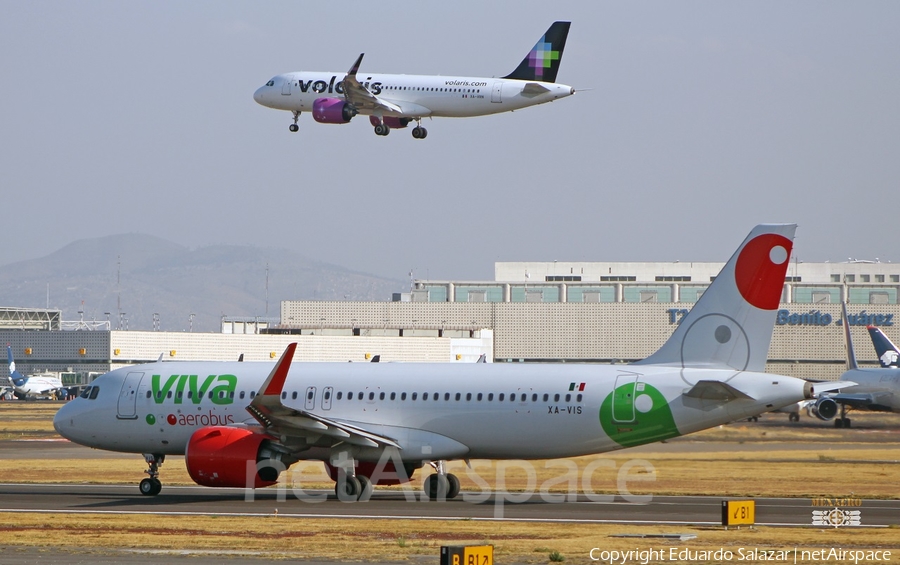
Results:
<point x="871" y="389"/>
<point x="887" y="352"/>
<point x="35" y="386"/>
<point x="374" y="423"/>
<point x="394" y="101"/>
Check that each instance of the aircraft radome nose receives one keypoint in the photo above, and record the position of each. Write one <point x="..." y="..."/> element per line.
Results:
<point x="258" y="95"/>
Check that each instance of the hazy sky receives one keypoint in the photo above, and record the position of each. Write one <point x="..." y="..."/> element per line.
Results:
<point x="700" y="120"/>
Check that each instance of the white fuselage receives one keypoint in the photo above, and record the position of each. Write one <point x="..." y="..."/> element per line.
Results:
<point x="882" y="384"/>
<point x="39" y="385"/>
<point x="418" y="95"/>
<point x="434" y="411"/>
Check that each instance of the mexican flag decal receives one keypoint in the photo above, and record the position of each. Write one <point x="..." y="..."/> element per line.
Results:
<point x="576" y="386"/>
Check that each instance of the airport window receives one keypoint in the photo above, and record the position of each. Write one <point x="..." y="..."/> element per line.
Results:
<point x="849" y="278"/>
<point x="578" y="398"/>
<point x="618" y="278"/>
<point x="546" y="397"/>
<point x="562" y="278"/>
<point x="821" y="297"/>
<point x="793" y="279"/>
<point x="393" y="396"/>
<point x="879" y="278"/>
<point x="457" y="396"/>
<point x="673" y="279"/>
<point x="836" y="278"/>
<point x="478" y="398"/>
<point x="895" y="278"/>
<point x="649" y="296"/>
<point x="555" y="398"/>
<point x="414" y="395"/>
<point x="402" y="396"/>
<point x="94" y="392"/>
<point x="490" y="396"/>
<point x="501" y="397"/>
<point x="864" y="278"/>
<point x="568" y="398"/>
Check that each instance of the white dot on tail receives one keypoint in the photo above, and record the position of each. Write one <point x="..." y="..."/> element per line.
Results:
<point x="778" y="255"/>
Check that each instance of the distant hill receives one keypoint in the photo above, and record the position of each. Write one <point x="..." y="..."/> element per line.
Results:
<point x="158" y="276"/>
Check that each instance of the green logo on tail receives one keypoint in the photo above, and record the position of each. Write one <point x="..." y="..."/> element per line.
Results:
<point x="635" y="413"/>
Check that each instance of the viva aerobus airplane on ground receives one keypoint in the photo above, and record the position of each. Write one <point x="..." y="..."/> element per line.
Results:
<point x="394" y="101"/>
<point x="240" y="424"/>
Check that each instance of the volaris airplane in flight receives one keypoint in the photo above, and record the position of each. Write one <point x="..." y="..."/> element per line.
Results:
<point x="240" y="424"/>
<point x="394" y="101"/>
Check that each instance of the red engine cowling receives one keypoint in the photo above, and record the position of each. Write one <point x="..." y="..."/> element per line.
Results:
<point x="388" y="475"/>
<point x="332" y="111"/>
<point x="219" y="456"/>
<point x="391" y="122"/>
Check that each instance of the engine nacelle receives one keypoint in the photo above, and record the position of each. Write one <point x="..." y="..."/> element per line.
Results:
<point x="332" y="111"/>
<point x="825" y="408"/>
<point x="391" y="122"/>
<point x="388" y="475"/>
<point x="219" y="456"/>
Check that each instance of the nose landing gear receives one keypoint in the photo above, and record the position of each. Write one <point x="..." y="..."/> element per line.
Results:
<point x="294" y="127"/>
<point x="151" y="486"/>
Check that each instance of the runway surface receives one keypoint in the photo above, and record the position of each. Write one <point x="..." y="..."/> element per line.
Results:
<point x="397" y="505"/>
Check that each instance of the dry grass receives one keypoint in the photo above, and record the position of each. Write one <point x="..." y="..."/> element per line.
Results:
<point x="279" y="537"/>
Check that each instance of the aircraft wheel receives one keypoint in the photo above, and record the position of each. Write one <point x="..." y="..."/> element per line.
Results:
<point x="453" y="489"/>
<point x="294" y="128"/>
<point x="417" y="133"/>
<point x="436" y="487"/>
<point x="846" y="422"/>
<point x="794" y="417"/>
<point x="365" y="488"/>
<point x="382" y="129"/>
<point x="150" y="487"/>
<point x="347" y="488"/>
<point x="424" y="133"/>
<point x="838" y="422"/>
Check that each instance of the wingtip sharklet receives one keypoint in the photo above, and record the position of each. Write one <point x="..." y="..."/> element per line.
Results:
<point x="275" y="382"/>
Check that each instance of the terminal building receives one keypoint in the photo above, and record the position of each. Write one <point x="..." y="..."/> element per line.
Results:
<point x="532" y="312"/>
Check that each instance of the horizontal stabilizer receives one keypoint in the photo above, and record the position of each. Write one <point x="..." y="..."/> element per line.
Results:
<point x="534" y="89"/>
<point x="716" y="390"/>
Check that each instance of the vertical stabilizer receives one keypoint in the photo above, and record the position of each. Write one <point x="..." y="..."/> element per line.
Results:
<point x="888" y="354"/>
<point x="851" y="355"/>
<point x="730" y="327"/>
<point x="14" y="375"/>
<point x="542" y="63"/>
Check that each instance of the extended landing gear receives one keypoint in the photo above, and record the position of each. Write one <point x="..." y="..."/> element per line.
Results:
<point x="382" y="129"/>
<point x="442" y="485"/>
<point x="350" y="488"/>
<point x="842" y="421"/>
<point x="151" y="486"/>
<point x="419" y="132"/>
<point x="294" y="127"/>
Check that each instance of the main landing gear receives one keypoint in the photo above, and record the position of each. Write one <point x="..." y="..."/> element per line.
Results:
<point x="152" y="485"/>
<point x="382" y="129"/>
<point x="294" y="127"/>
<point x="843" y="421"/>
<point x="442" y="485"/>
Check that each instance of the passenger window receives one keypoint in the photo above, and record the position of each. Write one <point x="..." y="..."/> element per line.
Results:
<point x="555" y="398"/>
<point x="501" y="397"/>
<point x="190" y="394"/>
<point x="210" y="394"/>
<point x="94" y="392"/>
<point x="360" y="395"/>
<point x="83" y="394"/>
<point x="534" y="397"/>
<point x="371" y="396"/>
<point x="512" y="397"/>
<point x="478" y="397"/>
<point x="339" y="395"/>
<point x="327" y="394"/>
<point x="231" y="394"/>
<point x="546" y="397"/>
<point x="284" y="395"/>
<point x="424" y="396"/>
<point x="468" y="396"/>
<point x="568" y="398"/>
<point x="169" y="394"/>
<point x="179" y="394"/>
<point x="381" y="396"/>
<point x="241" y="396"/>
<point x="578" y="398"/>
<point x="309" y="395"/>
<point x="349" y="396"/>
<point x="294" y="395"/>
<point x="252" y="394"/>
<point x="403" y="396"/>
<point x="414" y="395"/>
<point x="447" y="396"/>
<point x="393" y="396"/>
<point x="457" y="396"/>
<point x="436" y="396"/>
<point x="490" y="396"/>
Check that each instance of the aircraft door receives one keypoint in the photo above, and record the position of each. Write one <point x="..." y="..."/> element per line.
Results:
<point x="495" y="92"/>
<point x="127" y="409"/>
<point x="310" y="398"/>
<point x="623" y="397"/>
<point x="286" y="87"/>
<point x="326" y="398"/>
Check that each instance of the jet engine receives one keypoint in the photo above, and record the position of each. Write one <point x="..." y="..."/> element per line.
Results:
<point x="219" y="456"/>
<point x="825" y="408"/>
<point x="332" y="111"/>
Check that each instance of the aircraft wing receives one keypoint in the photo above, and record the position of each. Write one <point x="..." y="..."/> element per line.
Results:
<point x="359" y="96"/>
<point x="281" y="420"/>
<point x="863" y="400"/>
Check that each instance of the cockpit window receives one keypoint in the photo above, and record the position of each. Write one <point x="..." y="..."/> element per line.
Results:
<point x="86" y="392"/>
<point x="94" y="392"/>
<point x="270" y="83"/>
<point x="90" y="392"/>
